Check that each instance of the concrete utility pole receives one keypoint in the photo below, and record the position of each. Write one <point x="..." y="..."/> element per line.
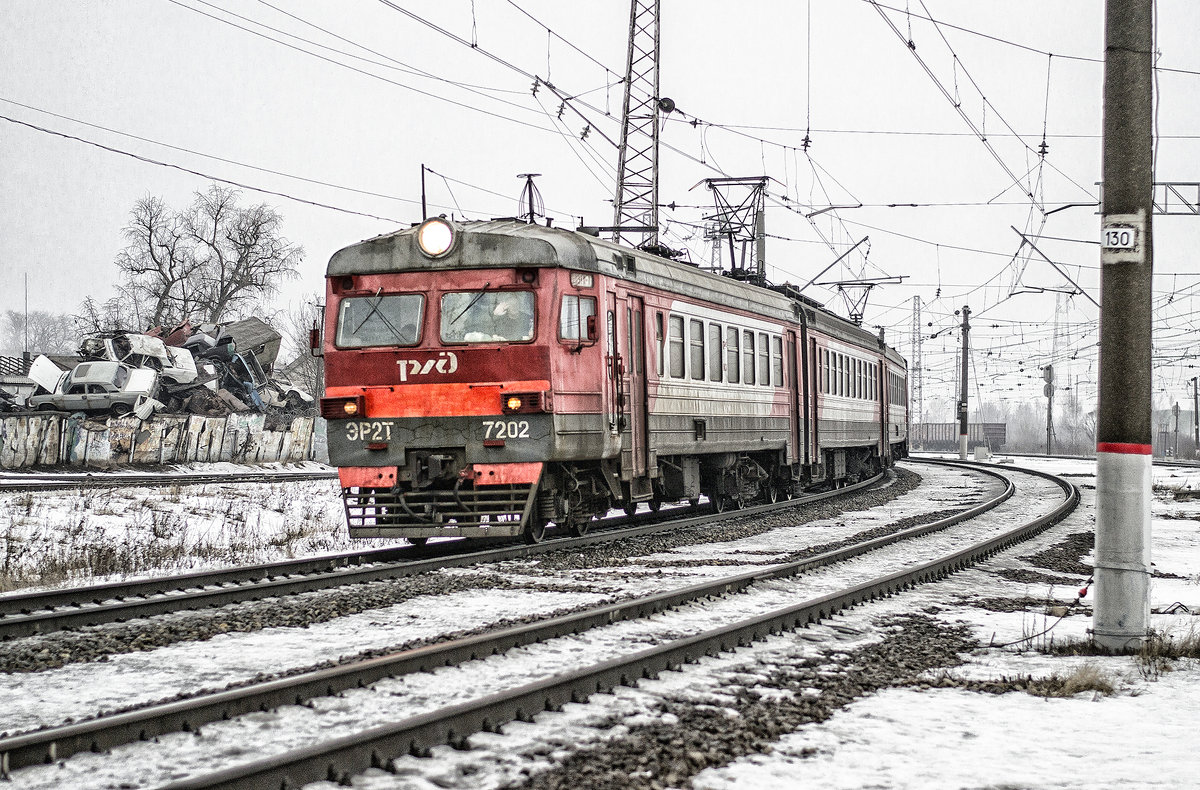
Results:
<point x="1121" y="619"/>
<point x="1196" y="415"/>
<point x="1175" y="443"/>
<point x="1048" y="390"/>
<point x="962" y="399"/>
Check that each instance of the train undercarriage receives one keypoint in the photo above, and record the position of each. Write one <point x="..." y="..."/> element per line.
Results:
<point x="439" y="494"/>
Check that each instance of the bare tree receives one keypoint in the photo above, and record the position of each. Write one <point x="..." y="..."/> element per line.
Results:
<point x="159" y="264"/>
<point x="303" y="370"/>
<point x="118" y="312"/>
<point x="240" y="254"/>
<point x="49" y="333"/>
<point x="212" y="262"/>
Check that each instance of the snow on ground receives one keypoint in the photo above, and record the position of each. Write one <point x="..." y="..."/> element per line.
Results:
<point x="900" y="738"/>
<point x="93" y="535"/>
<point x="1141" y="737"/>
<point x="291" y="727"/>
<point x="53" y="696"/>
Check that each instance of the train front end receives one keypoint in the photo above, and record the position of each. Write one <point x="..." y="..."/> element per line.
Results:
<point x="437" y="393"/>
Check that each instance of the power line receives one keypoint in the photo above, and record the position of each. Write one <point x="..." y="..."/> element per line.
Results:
<point x="1009" y="42"/>
<point x="366" y="73"/>
<point x="201" y="174"/>
<point x="214" y="157"/>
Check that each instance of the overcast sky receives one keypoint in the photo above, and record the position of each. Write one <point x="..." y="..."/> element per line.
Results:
<point x="340" y="103"/>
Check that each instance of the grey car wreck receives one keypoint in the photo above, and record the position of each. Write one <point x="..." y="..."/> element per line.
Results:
<point x="99" y="386"/>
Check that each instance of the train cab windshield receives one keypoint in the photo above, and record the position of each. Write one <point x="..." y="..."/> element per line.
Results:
<point x="380" y="320"/>
<point x="487" y="316"/>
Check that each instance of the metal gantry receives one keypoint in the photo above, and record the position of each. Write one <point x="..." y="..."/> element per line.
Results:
<point x="739" y="222"/>
<point x="636" y="202"/>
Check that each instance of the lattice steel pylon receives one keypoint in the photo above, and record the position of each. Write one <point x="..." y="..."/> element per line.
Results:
<point x="636" y="202"/>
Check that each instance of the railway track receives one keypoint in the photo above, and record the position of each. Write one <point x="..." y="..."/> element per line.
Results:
<point x="28" y="614"/>
<point x="60" y="482"/>
<point x="342" y="757"/>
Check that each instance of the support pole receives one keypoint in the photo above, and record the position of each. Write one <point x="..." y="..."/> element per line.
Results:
<point x="424" y="209"/>
<point x="1195" y="416"/>
<point x="962" y="400"/>
<point x="1048" y="375"/>
<point x="1121" y="619"/>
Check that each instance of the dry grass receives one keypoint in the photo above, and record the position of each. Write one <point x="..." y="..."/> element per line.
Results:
<point x="1087" y="678"/>
<point x="1156" y="656"/>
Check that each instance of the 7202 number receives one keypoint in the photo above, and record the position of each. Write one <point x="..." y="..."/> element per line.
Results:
<point x="505" y="429"/>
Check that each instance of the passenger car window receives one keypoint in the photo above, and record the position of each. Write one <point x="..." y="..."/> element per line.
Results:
<point x="747" y="357"/>
<point x="777" y="361"/>
<point x="714" y="352"/>
<point x="764" y="361"/>
<point x="487" y="316"/>
<point x="697" y="346"/>
<point x="732" y="355"/>
<point x="572" y="322"/>
<point x="381" y="320"/>
<point x="675" y="341"/>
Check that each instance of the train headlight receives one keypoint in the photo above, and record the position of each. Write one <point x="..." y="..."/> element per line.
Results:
<point x="350" y="408"/>
<point x="513" y="403"/>
<point x="435" y="237"/>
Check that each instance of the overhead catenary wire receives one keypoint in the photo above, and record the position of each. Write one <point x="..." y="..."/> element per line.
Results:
<point x="201" y="174"/>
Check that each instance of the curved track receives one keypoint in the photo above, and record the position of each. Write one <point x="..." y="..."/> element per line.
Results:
<point x="27" y="614"/>
<point x="345" y="756"/>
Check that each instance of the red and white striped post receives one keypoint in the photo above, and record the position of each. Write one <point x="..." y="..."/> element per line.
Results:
<point x="1121" y="619"/>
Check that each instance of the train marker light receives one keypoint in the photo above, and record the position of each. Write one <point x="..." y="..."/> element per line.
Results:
<point x="435" y="237"/>
<point x="514" y="404"/>
<point x="343" y="407"/>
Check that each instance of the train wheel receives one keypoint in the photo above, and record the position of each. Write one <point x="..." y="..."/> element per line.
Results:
<point x="771" y="493"/>
<point x="578" y="528"/>
<point x="630" y="508"/>
<point x="418" y="541"/>
<point x="721" y="503"/>
<point x="655" y="505"/>
<point x="535" y="532"/>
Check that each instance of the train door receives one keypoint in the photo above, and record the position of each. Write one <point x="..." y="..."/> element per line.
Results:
<point x="816" y="383"/>
<point x="613" y="377"/>
<point x="635" y="383"/>
<point x="885" y="447"/>
<point x="794" y="389"/>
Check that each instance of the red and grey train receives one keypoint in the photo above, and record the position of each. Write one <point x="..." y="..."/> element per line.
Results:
<point x="487" y="378"/>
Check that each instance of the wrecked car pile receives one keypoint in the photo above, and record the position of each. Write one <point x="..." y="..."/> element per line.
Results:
<point x="186" y="369"/>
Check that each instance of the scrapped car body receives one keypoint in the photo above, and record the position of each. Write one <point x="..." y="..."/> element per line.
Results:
<point x="142" y="351"/>
<point x="97" y="386"/>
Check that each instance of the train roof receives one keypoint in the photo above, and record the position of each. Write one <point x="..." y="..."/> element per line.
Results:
<point x="507" y="242"/>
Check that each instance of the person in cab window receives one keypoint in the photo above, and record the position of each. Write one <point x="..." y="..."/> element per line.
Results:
<point x="509" y="321"/>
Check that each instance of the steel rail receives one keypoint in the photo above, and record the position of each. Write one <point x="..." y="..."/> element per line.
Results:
<point x="29" y="614"/>
<point x="341" y="758"/>
<point x="16" y="483"/>
<point x="188" y="715"/>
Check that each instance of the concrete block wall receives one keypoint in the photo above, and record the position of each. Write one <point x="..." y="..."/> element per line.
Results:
<point x="29" y="440"/>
